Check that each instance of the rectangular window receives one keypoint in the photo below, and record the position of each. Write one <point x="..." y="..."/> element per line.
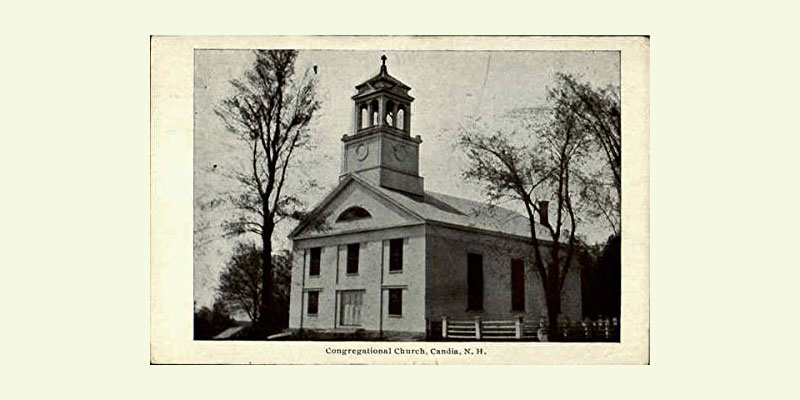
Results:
<point x="313" y="303"/>
<point x="395" y="301"/>
<point x="474" y="281"/>
<point x="517" y="285"/>
<point x="315" y="259"/>
<point x="352" y="258"/>
<point x="396" y="255"/>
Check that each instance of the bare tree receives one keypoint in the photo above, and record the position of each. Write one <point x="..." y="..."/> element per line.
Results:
<point x="544" y="159"/>
<point x="596" y="112"/>
<point x="535" y="166"/>
<point x="269" y="113"/>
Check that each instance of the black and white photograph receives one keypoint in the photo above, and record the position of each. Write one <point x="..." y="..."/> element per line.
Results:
<point x="407" y="195"/>
<point x="403" y="200"/>
<point x="400" y="200"/>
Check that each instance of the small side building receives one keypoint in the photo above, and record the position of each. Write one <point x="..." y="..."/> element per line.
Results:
<point x="391" y="258"/>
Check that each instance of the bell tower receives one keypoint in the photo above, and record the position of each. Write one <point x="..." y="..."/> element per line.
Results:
<point x="380" y="149"/>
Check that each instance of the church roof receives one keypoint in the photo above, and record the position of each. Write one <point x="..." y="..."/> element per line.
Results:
<point x="445" y="209"/>
<point x="383" y="75"/>
<point x="383" y="82"/>
<point x="452" y="210"/>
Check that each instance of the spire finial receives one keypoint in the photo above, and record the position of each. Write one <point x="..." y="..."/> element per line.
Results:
<point x="383" y="65"/>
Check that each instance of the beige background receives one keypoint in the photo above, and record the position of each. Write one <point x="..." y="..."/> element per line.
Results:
<point x="722" y="115"/>
<point x="171" y="271"/>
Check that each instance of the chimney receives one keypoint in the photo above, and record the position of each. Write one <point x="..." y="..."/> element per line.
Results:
<point x="543" y="212"/>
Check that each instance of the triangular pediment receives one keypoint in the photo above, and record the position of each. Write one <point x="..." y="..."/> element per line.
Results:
<point x="355" y="206"/>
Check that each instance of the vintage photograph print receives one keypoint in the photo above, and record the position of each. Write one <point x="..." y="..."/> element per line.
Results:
<point x="400" y="200"/>
<point x="407" y="195"/>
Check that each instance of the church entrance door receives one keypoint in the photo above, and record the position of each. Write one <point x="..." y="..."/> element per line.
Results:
<point x="350" y="307"/>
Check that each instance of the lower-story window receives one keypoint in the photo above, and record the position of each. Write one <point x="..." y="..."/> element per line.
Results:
<point x="313" y="303"/>
<point x="474" y="282"/>
<point x="517" y="285"/>
<point x="396" y="302"/>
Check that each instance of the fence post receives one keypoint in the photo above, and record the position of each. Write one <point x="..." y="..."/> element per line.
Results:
<point x="478" y="328"/>
<point x="444" y="327"/>
<point x="565" y="328"/>
<point x="518" y="331"/>
<point x="586" y="334"/>
<point x="543" y="330"/>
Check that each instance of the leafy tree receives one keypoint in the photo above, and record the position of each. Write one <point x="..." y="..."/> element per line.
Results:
<point x="241" y="283"/>
<point x="210" y="322"/>
<point x="269" y="113"/>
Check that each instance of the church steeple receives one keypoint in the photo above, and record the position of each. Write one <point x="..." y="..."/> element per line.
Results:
<point x="380" y="148"/>
<point x="382" y="101"/>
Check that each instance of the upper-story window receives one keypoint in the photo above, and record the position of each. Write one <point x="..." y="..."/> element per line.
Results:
<point x="352" y="213"/>
<point x="352" y="258"/>
<point x="396" y="255"/>
<point x="316" y="254"/>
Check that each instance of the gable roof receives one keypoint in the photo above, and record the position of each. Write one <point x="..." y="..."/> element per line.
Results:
<point x="339" y="188"/>
<point x="445" y="209"/>
<point x="452" y="210"/>
<point x="382" y="83"/>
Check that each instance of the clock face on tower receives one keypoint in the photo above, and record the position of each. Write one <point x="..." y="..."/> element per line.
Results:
<point x="362" y="151"/>
<point x="399" y="152"/>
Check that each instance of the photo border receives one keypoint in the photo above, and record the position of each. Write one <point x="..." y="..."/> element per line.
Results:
<point x="171" y="296"/>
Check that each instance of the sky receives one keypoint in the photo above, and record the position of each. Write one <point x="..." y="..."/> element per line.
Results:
<point x="449" y="88"/>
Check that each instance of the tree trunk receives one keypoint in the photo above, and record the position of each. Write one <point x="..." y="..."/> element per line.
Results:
<point x="266" y="316"/>
<point x="553" y="295"/>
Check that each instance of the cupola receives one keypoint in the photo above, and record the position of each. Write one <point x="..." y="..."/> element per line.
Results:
<point x="380" y="149"/>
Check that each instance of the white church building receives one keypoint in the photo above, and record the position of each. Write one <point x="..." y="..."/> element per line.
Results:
<point x="394" y="258"/>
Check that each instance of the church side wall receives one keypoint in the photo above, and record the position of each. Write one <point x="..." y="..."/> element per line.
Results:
<point x="446" y="292"/>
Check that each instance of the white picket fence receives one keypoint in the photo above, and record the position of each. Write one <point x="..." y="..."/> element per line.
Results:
<point x="518" y="329"/>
